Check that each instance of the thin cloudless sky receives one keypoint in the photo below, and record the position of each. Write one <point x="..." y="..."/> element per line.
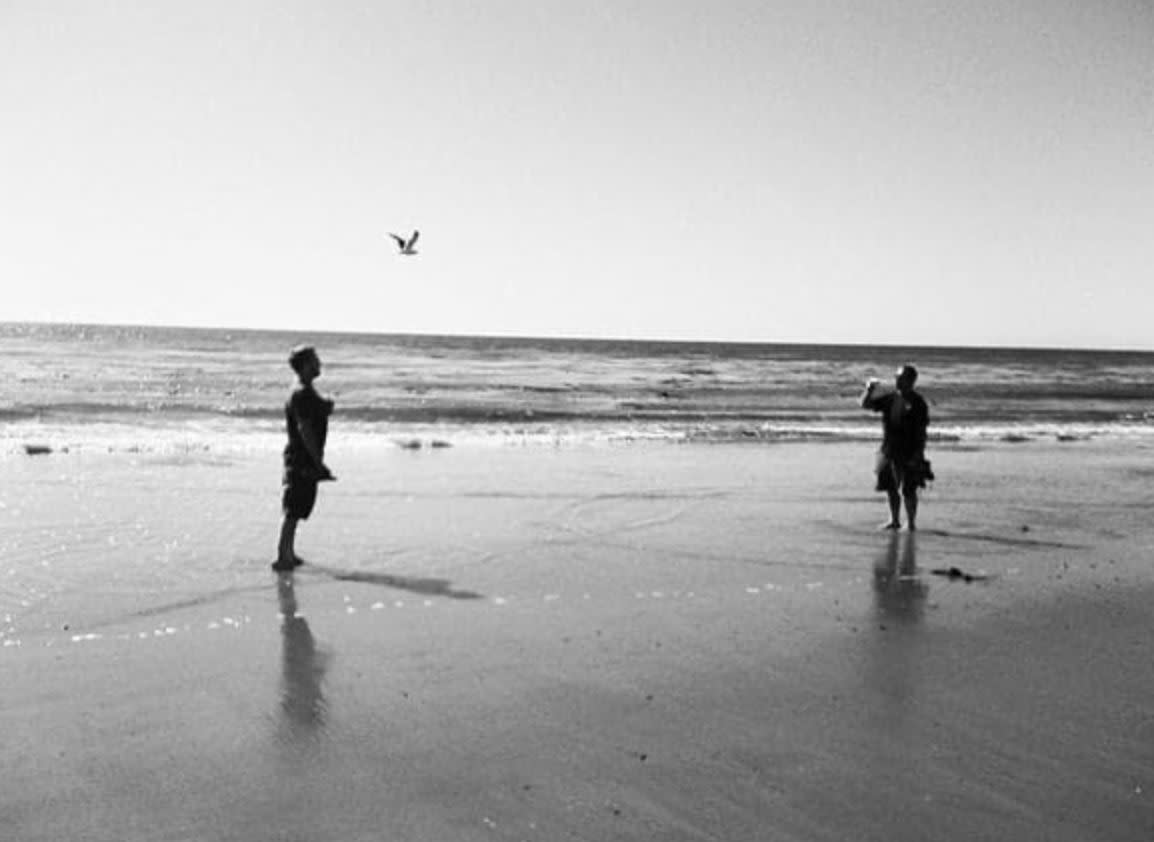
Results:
<point x="972" y="173"/>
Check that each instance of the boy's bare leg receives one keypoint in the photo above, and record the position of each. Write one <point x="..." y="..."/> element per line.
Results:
<point x="288" y="531"/>
<point x="895" y="501"/>
<point x="912" y="508"/>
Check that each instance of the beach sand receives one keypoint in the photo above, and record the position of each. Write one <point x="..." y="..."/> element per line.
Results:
<point x="625" y="642"/>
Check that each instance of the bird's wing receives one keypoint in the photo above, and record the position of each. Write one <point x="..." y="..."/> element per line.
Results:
<point x="413" y="239"/>
<point x="400" y="242"/>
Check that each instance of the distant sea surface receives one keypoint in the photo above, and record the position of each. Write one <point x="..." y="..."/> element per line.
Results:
<point x="155" y="389"/>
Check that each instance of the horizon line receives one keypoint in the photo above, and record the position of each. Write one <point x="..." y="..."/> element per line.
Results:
<point x="588" y="339"/>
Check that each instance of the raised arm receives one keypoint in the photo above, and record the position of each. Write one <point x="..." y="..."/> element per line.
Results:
<point x="867" y="396"/>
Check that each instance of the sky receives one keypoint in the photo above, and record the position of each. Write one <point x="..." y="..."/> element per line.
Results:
<point x="873" y="171"/>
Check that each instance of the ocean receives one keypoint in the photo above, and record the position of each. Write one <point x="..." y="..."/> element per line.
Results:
<point x="83" y="388"/>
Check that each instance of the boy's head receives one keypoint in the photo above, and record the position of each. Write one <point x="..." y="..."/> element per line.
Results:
<point x="305" y="362"/>
<point x="905" y="378"/>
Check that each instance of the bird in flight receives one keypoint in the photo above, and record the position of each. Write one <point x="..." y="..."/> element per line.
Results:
<point x="406" y="247"/>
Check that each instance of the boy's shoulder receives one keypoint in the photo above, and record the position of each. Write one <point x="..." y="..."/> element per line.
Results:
<point x="303" y="395"/>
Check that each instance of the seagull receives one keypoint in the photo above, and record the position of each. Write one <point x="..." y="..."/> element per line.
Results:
<point x="407" y="247"/>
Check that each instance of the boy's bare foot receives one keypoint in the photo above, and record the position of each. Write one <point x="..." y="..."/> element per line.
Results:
<point x="890" y="525"/>
<point x="282" y="566"/>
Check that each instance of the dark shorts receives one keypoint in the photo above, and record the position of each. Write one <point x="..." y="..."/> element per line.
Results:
<point x="299" y="496"/>
<point x="904" y="476"/>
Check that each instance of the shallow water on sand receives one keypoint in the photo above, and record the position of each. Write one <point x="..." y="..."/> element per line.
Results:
<point x="631" y="642"/>
<point x="131" y="544"/>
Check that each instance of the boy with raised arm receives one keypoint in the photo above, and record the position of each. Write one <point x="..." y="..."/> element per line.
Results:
<point x="902" y="467"/>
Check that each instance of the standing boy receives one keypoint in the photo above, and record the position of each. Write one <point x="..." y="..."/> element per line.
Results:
<point x="307" y="425"/>
<point x="902" y="467"/>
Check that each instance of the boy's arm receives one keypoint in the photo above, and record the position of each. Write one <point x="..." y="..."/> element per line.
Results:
<point x="310" y="440"/>
<point x="867" y="400"/>
<point x="923" y="424"/>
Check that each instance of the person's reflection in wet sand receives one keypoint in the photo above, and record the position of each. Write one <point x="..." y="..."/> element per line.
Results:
<point x="899" y="594"/>
<point x="302" y="666"/>
<point x="895" y="642"/>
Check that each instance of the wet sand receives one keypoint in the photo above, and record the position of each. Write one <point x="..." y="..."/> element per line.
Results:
<point x="627" y="642"/>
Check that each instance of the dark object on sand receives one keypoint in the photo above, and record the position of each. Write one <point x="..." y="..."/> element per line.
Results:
<point x="957" y="573"/>
<point x="417" y="444"/>
<point x="37" y="449"/>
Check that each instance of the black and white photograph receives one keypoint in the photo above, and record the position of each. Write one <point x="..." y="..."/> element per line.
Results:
<point x="555" y="421"/>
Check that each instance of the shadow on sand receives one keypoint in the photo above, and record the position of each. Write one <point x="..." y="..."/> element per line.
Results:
<point x="179" y="605"/>
<point x="1002" y="539"/>
<point x="421" y="585"/>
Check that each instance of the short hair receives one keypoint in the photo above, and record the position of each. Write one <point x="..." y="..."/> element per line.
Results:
<point x="299" y="354"/>
<point x="910" y="372"/>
